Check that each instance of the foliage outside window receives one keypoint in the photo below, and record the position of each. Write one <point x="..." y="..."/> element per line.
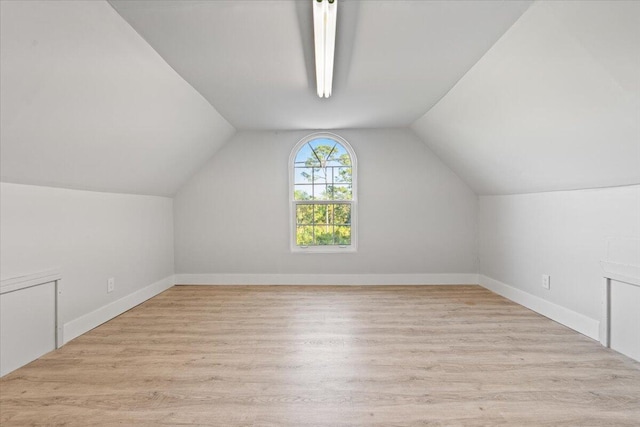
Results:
<point x="323" y="193"/>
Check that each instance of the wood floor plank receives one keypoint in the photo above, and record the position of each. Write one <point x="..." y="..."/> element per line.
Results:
<point x="326" y="356"/>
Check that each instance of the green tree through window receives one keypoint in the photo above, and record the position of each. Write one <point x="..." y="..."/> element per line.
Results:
<point x="323" y="193"/>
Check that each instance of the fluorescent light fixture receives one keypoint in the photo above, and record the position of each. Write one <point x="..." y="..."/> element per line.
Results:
<point x="324" y="32"/>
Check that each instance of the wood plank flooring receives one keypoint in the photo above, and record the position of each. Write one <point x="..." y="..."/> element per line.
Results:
<point x="326" y="356"/>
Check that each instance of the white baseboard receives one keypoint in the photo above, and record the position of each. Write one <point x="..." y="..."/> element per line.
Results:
<point x="326" y="279"/>
<point x="79" y="326"/>
<point x="576" y="321"/>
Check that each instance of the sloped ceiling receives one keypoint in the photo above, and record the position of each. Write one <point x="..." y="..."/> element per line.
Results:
<point x="87" y="103"/>
<point x="554" y="105"/>
<point x="253" y="60"/>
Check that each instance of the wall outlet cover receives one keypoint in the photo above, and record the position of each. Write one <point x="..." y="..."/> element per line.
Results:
<point x="546" y="281"/>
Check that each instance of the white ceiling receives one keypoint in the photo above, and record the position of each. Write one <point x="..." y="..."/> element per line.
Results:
<point x="554" y="105"/>
<point x="253" y="60"/>
<point x="86" y="103"/>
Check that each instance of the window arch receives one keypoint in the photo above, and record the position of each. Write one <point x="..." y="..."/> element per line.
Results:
<point x="323" y="194"/>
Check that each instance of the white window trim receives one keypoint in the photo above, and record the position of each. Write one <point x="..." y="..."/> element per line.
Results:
<point x="354" y="200"/>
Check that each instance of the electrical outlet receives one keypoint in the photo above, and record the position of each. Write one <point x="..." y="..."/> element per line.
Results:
<point x="546" y="281"/>
<point x="111" y="284"/>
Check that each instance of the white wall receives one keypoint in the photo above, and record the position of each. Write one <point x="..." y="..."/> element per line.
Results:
<point x="415" y="215"/>
<point x="563" y="234"/>
<point x="90" y="237"/>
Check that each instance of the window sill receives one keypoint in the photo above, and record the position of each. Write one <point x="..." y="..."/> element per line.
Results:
<point x="323" y="249"/>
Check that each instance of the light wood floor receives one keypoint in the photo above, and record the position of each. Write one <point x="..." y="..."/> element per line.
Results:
<point x="326" y="356"/>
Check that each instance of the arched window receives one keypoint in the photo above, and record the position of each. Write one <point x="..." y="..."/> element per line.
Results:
<point x="322" y="192"/>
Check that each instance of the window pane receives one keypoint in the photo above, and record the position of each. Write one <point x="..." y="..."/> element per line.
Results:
<point x="304" y="235"/>
<point x="302" y="192"/>
<point x="320" y="214"/>
<point x="323" y="234"/>
<point x="343" y="174"/>
<point x="342" y="214"/>
<point x="323" y="224"/>
<point x="304" y="214"/>
<point x="343" y="235"/>
<point x="304" y="155"/>
<point x="341" y="192"/>
<point x="303" y="175"/>
<point x="321" y="192"/>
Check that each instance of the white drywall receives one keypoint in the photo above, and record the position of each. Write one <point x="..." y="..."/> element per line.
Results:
<point x="563" y="234"/>
<point x="90" y="237"/>
<point x="553" y="105"/>
<point x="86" y="103"/>
<point x="415" y="215"/>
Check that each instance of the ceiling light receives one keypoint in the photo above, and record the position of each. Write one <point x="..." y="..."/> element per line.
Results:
<point x="324" y="31"/>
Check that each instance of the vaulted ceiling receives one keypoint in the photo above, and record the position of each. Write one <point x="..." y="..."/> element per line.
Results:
<point x="553" y="105"/>
<point x="86" y="103"/>
<point x="253" y="60"/>
<point x="134" y="96"/>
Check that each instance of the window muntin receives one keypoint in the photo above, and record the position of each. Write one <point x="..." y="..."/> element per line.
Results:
<point x="323" y="193"/>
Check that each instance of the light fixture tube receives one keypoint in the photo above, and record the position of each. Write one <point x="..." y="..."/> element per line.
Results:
<point x="329" y="45"/>
<point x="324" y="30"/>
<point x="319" y="14"/>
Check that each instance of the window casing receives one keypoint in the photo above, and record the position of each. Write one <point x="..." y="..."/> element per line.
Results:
<point x="323" y="195"/>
